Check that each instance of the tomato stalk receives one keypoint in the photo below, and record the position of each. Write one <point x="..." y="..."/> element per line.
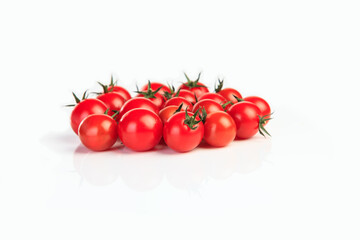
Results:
<point x="220" y="86"/>
<point x="193" y="83"/>
<point x="77" y="100"/>
<point x="262" y="122"/>
<point x="225" y="104"/>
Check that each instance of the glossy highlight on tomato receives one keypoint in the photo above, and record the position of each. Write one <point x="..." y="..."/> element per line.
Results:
<point x="208" y="105"/>
<point x="219" y="129"/>
<point x="213" y="96"/>
<point x="138" y="102"/>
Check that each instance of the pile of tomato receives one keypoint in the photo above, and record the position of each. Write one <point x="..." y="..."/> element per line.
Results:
<point x="182" y="118"/>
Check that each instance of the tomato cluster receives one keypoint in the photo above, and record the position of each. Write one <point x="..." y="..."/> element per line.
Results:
<point x="182" y="118"/>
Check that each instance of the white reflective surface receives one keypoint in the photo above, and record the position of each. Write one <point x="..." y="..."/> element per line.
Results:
<point x="301" y="183"/>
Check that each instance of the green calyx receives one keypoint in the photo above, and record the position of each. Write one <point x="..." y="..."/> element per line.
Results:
<point x="169" y="95"/>
<point x="179" y="108"/>
<point x="114" y="111"/>
<point x="77" y="100"/>
<point x="149" y="92"/>
<point x="191" y="121"/>
<point x="238" y="99"/>
<point x="112" y="83"/>
<point x="225" y="104"/>
<point x="262" y="121"/>
<point x="219" y="86"/>
<point x="203" y="114"/>
<point x="193" y="83"/>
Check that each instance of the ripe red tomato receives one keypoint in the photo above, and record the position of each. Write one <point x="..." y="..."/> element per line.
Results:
<point x="261" y="104"/>
<point x="156" y="85"/>
<point x="85" y="108"/>
<point x="219" y="129"/>
<point x="183" y="131"/>
<point x="195" y="86"/>
<point x="213" y="96"/>
<point x="138" y="102"/>
<point x="98" y="132"/>
<point x="209" y="105"/>
<point x="177" y="101"/>
<point x="120" y="90"/>
<point x="187" y="94"/>
<point x="140" y="129"/>
<point x="114" y="101"/>
<point x="167" y="112"/>
<point x="247" y="119"/>
<point x="157" y="99"/>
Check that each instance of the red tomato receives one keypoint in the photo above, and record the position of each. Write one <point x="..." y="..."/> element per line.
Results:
<point x="138" y="102"/>
<point x="213" y="96"/>
<point x="219" y="129"/>
<point x="195" y="86"/>
<point x="140" y="129"/>
<point x="183" y="132"/>
<point x="120" y="90"/>
<point x="156" y="85"/>
<point x="114" y="101"/>
<point x="177" y="101"/>
<point x="228" y="94"/>
<point x="261" y="104"/>
<point x="246" y="117"/>
<point x="167" y="112"/>
<point x="98" y="132"/>
<point x="209" y="105"/>
<point x="187" y="94"/>
<point x="85" y="108"/>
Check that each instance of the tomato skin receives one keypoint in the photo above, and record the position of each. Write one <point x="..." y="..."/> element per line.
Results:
<point x="138" y="102"/>
<point x="219" y="129"/>
<point x="209" y="105"/>
<point x="158" y="100"/>
<point x="198" y="91"/>
<point x="260" y="103"/>
<point x="85" y="108"/>
<point x="167" y="112"/>
<point x="178" y="136"/>
<point x="156" y="85"/>
<point x="213" y="96"/>
<point x="140" y="129"/>
<point x="177" y="101"/>
<point x="120" y="90"/>
<point x="246" y="117"/>
<point x="228" y="93"/>
<point x="114" y="101"/>
<point x="98" y="132"/>
<point x="187" y="94"/>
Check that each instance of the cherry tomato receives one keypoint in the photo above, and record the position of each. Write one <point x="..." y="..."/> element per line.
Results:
<point x="177" y="101"/>
<point x="85" y="108"/>
<point x="219" y="129"/>
<point x="120" y="90"/>
<point x="183" y="131"/>
<point x="261" y="104"/>
<point x="140" y="129"/>
<point x="158" y="99"/>
<point x="153" y="94"/>
<point x="114" y="101"/>
<point x="209" y="105"/>
<point x="138" y="102"/>
<point x="213" y="96"/>
<point x="98" y="132"/>
<point x="167" y="112"/>
<point x="156" y="85"/>
<point x="187" y="94"/>
<point x="228" y="94"/>
<point x="195" y="86"/>
<point x="246" y="117"/>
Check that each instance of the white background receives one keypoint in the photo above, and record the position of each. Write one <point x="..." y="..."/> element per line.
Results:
<point x="301" y="56"/>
